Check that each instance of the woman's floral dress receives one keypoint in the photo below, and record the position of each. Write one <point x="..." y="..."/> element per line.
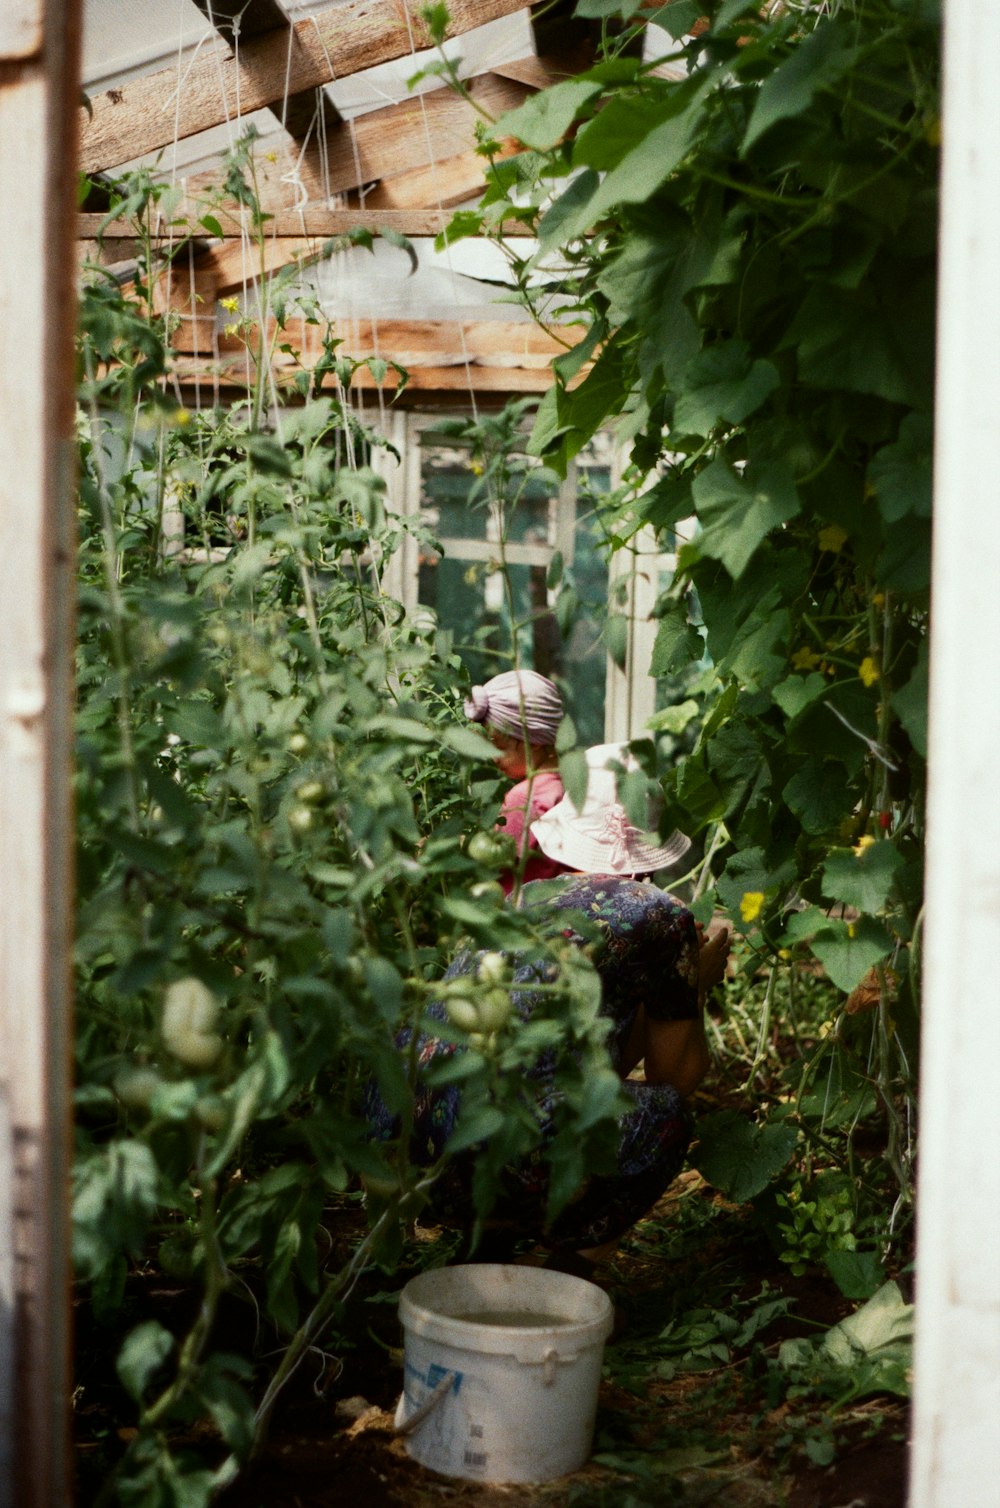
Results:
<point x="646" y="954"/>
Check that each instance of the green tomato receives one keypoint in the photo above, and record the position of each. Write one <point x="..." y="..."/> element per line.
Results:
<point x="491" y="850"/>
<point x="211" y="1111"/>
<point x="487" y="890"/>
<point x="178" y="1256"/>
<point x="301" y="819"/>
<point x="492" y="968"/>
<point x="462" y="1013"/>
<point x="298" y="743"/>
<point x="494" y="1009"/>
<point x="135" y="1087"/>
<point x="189" y="1006"/>
<point x="195" y="1049"/>
<point x="310" y="791"/>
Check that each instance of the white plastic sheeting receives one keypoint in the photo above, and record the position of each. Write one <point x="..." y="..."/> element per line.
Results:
<point x="380" y="284"/>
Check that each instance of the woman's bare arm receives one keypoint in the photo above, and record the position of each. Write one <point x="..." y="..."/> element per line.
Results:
<point x="676" y="1052"/>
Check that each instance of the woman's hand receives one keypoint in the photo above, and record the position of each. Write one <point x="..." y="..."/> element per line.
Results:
<point x="713" y="956"/>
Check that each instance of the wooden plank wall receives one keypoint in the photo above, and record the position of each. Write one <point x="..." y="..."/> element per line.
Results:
<point x="39" y="90"/>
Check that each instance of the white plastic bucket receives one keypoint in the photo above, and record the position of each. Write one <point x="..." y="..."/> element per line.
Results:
<point x="501" y="1370"/>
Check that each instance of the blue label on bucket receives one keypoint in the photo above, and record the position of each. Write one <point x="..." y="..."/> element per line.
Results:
<point x="433" y="1375"/>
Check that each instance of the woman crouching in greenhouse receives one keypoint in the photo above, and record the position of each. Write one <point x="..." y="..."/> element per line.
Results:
<point x="654" y="968"/>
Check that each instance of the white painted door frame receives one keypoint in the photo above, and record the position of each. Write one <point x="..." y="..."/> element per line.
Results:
<point x="956" y="1437"/>
<point x="39" y="105"/>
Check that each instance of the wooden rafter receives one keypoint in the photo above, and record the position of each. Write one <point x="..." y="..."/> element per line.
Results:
<point x="314" y="221"/>
<point x="443" y="184"/>
<point x="415" y="135"/>
<point x="307" y="116"/>
<point x="411" y="342"/>
<point x="242" y="20"/>
<point x="541" y="73"/>
<point x="231" y="372"/>
<point x="142" y="115"/>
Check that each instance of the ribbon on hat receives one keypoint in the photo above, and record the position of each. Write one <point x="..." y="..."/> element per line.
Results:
<point x="616" y="830"/>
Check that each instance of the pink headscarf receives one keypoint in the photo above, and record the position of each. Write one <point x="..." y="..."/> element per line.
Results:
<point x="518" y="703"/>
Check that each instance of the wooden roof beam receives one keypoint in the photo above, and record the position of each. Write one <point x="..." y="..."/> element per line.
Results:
<point x="308" y="114"/>
<point x="412" y="342"/>
<point x="445" y="183"/>
<point x="542" y="72"/>
<point x="419" y="136"/>
<point x="139" y="116"/>
<point x="315" y="221"/>
<point x="232" y="372"/>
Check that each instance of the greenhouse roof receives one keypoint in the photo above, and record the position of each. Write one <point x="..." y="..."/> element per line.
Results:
<point x="345" y="143"/>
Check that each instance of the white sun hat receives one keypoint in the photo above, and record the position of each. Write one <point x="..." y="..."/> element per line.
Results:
<point x="599" y="838"/>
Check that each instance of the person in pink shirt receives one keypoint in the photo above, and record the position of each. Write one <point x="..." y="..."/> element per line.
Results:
<point x="521" y="711"/>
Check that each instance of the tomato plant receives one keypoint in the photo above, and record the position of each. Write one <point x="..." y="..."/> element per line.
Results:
<point x="275" y="787"/>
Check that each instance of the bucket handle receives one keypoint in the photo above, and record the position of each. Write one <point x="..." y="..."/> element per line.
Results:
<point x="430" y="1403"/>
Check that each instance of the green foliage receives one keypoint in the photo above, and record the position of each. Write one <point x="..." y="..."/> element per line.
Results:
<point x="275" y="791"/>
<point x="869" y="1352"/>
<point x="750" y="253"/>
<point x="739" y="1158"/>
<point x="716" y="1373"/>
<point x="812" y="1228"/>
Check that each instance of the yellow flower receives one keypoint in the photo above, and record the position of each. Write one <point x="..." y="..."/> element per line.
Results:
<point x="230" y="330"/>
<point x="476" y="468"/>
<point x="805" y="659"/>
<point x="851" y="929"/>
<point x="868" y="671"/>
<point x="232" y="304"/>
<point x="878" y="600"/>
<point x="863" y="842"/>
<point x="182" y="416"/>
<point x="832" y="538"/>
<point x="751" y="905"/>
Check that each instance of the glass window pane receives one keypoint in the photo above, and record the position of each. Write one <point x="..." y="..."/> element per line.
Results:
<point x="446" y="482"/>
<point x="489" y="616"/>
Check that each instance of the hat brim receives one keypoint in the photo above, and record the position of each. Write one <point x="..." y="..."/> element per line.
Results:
<point x="574" y="842"/>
